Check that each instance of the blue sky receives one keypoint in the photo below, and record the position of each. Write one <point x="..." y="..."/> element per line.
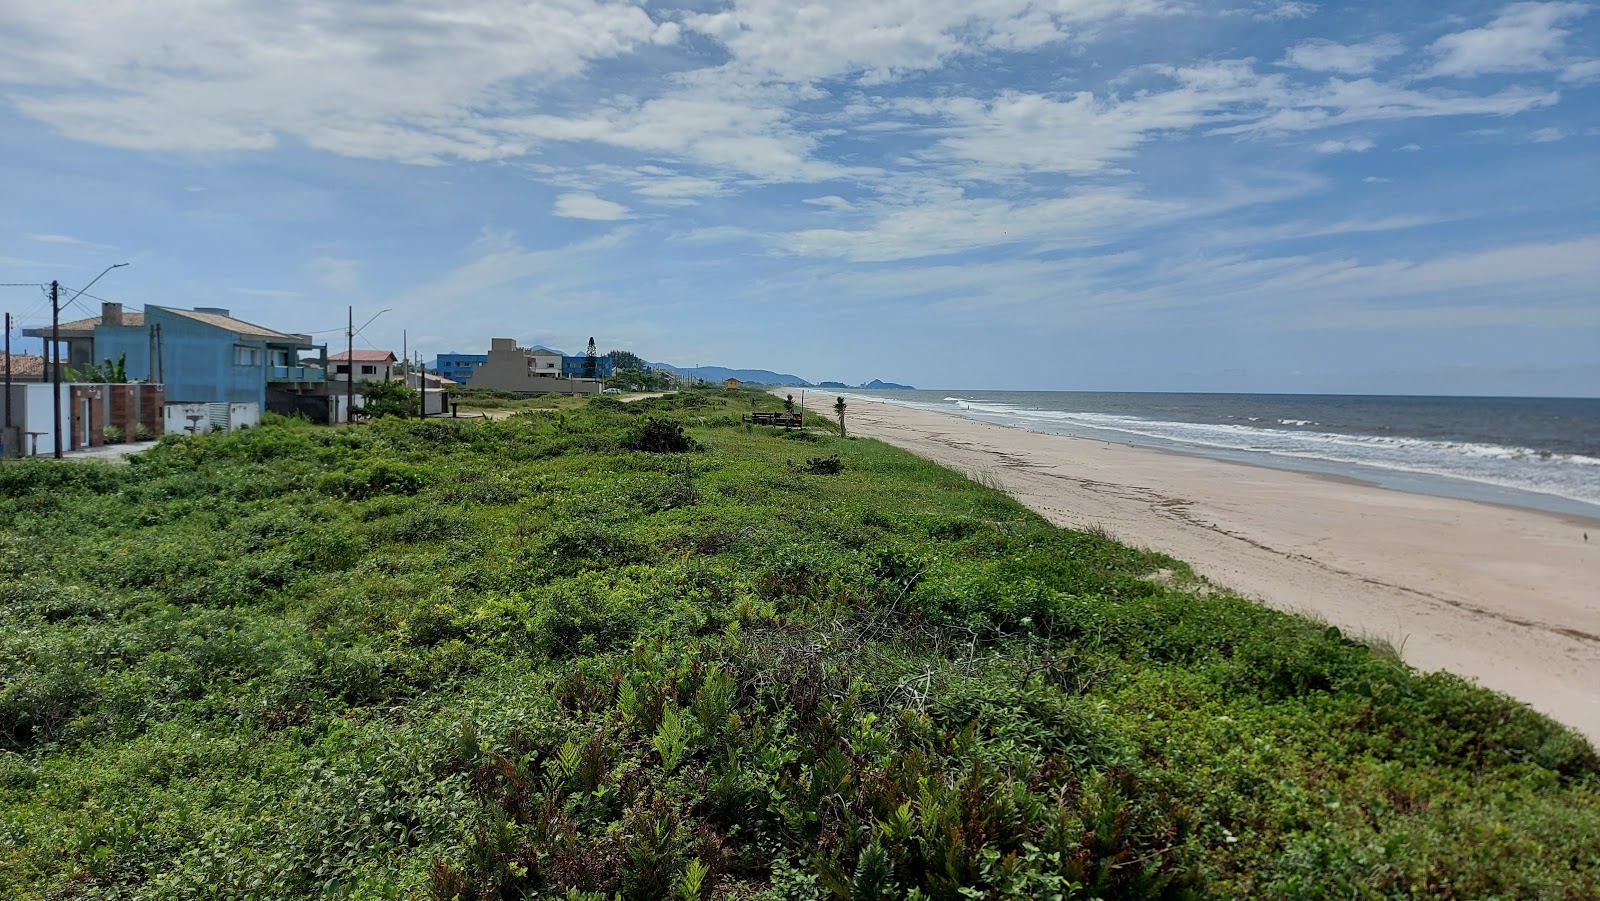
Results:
<point x="1266" y="195"/>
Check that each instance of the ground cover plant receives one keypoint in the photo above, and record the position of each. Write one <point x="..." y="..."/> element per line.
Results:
<point x="567" y="655"/>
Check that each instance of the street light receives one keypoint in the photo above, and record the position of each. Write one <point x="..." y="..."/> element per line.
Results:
<point x="350" y="361"/>
<point x="55" y="342"/>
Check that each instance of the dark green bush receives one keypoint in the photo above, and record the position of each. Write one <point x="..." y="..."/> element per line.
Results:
<point x="659" y="436"/>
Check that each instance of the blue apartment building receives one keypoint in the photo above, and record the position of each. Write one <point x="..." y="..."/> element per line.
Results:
<point x="574" y="367"/>
<point x="458" y="367"/>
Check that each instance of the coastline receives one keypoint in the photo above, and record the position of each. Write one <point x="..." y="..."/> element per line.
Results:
<point x="1500" y="594"/>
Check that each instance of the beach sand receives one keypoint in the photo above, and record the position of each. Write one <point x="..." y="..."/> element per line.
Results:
<point x="1506" y="596"/>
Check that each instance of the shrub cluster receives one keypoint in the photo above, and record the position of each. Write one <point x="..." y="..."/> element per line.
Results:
<point x="478" y="659"/>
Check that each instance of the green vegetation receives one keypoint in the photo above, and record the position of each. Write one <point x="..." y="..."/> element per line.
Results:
<point x="115" y="373"/>
<point x="389" y="398"/>
<point x="470" y="659"/>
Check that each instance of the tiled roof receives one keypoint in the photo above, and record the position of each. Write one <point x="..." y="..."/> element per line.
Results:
<point x="239" y="326"/>
<point x="129" y="317"/>
<point x="364" y="356"/>
<point x="24" y="365"/>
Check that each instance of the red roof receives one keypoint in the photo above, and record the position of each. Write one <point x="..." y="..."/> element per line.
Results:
<point x="364" y="356"/>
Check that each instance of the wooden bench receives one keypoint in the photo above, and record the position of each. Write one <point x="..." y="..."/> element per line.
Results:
<point x="786" y="420"/>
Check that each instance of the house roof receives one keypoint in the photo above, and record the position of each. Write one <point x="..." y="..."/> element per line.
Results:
<point x="85" y="327"/>
<point x="239" y="326"/>
<point x="24" y="365"/>
<point x="364" y="356"/>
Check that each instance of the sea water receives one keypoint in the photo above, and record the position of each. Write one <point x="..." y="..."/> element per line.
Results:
<point x="1542" y="453"/>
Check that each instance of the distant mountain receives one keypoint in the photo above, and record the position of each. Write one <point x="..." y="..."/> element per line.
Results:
<point x="722" y="373"/>
<point x="832" y="385"/>
<point x="876" y="385"/>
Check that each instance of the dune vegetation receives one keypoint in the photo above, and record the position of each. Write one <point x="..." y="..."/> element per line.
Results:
<point x="648" y="651"/>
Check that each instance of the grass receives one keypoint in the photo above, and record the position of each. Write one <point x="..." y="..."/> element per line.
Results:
<point x="468" y="659"/>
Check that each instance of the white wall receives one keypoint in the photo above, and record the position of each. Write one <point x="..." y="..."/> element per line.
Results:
<point x="40" y="416"/>
<point x="178" y="421"/>
<point x="244" y="416"/>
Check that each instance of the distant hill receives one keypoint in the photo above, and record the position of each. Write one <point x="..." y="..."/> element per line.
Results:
<point x="721" y="373"/>
<point x="874" y="385"/>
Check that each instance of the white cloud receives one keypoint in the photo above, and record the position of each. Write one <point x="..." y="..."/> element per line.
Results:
<point x="337" y="274"/>
<point x="792" y="42"/>
<point x="68" y="240"/>
<point x="1581" y="70"/>
<point x="1521" y="39"/>
<point x="1284" y="10"/>
<point x="952" y="223"/>
<point x="1546" y="135"/>
<point x="408" y="81"/>
<point x="1320" y="55"/>
<point x="588" y="206"/>
<point x="1411" y="148"/>
<point x="1354" y="145"/>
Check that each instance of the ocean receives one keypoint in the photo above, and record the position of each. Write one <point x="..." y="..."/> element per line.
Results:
<point x="1541" y="453"/>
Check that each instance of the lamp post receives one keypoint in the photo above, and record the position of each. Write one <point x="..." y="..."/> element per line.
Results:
<point x="350" y="361"/>
<point x="55" y="342"/>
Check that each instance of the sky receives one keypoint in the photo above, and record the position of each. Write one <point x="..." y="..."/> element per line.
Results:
<point x="1161" y="195"/>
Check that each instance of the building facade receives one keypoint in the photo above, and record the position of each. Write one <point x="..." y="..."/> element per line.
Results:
<point x="578" y="367"/>
<point x="202" y="355"/>
<point x="513" y="368"/>
<point x="459" y="368"/>
<point x="369" y="365"/>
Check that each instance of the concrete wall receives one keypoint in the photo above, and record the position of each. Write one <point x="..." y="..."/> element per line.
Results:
<point x="179" y="417"/>
<point x="86" y="410"/>
<point x="32" y="411"/>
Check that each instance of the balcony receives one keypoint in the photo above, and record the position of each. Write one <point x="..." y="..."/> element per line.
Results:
<point x="294" y="374"/>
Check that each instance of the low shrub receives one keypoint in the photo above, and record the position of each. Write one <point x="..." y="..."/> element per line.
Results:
<point x="659" y="436"/>
<point x="824" y="466"/>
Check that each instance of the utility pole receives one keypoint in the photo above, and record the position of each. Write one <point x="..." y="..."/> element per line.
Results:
<point x="161" y="365"/>
<point x="350" y="366"/>
<point x="8" y="370"/>
<point x="55" y="356"/>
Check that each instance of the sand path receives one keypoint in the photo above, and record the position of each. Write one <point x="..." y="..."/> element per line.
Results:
<point x="1509" y="597"/>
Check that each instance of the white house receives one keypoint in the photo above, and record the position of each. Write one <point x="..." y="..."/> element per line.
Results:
<point x="370" y="365"/>
<point x="542" y="361"/>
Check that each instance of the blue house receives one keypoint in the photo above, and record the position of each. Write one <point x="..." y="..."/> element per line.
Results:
<point x="458" y="367"/>
<point x="202" y="355"/>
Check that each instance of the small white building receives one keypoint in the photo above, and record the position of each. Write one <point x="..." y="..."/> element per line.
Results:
<point x="544" y="362"/>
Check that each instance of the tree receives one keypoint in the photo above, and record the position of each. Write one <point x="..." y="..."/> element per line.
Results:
<point x="590" y="361"/>
<point x="788" y="403"/>
<point x="114" y="373"/>
<point x="625" y="359"/>
<point x="388" y="399"/>
<point x="838" y="407"/>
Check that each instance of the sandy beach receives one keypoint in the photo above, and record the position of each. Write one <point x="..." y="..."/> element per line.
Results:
<point x="1506" y="596"/>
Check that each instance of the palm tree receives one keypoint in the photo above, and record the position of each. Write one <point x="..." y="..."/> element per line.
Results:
<point x="838" y="407"/>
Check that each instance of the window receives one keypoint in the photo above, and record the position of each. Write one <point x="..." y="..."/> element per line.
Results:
<point x="342" y="368"/>
<point x="246" y="356"/>
<point x="369" y="370"/>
